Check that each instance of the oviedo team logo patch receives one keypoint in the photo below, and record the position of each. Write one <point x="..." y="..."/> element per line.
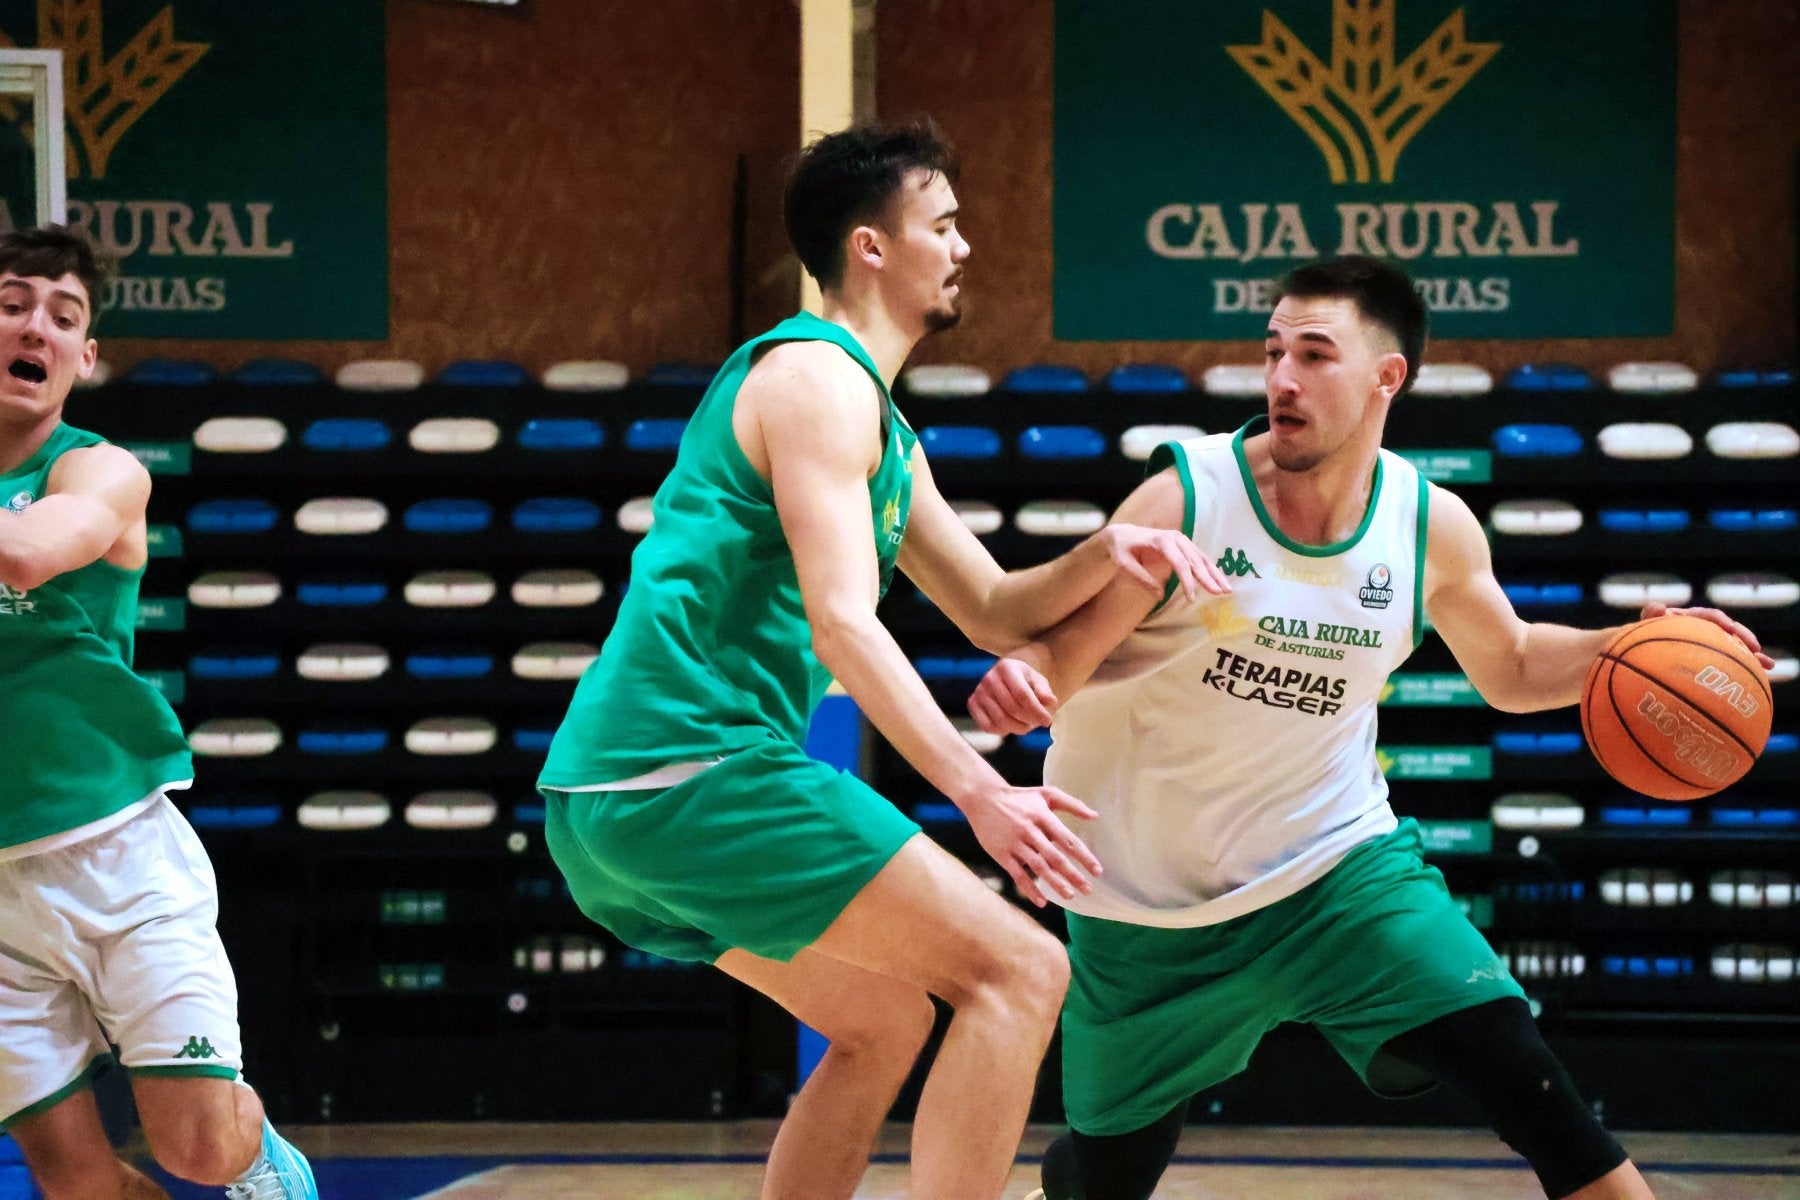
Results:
<point x="1379" y="591"/>
<point x="20" y="502"/>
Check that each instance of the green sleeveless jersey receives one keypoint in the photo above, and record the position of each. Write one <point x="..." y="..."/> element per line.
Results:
<point x="82" y="735"/>
<point x="711" y="652"/>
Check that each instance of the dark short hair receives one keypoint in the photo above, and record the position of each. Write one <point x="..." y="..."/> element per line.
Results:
<point x="845" y="179"/>
<point x="1383" y="293"/>
<point x="52" y="251"/>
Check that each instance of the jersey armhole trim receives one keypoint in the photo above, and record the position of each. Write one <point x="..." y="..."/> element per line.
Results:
<point x="1421" y="521"/>
<point x="1164" y="456"/>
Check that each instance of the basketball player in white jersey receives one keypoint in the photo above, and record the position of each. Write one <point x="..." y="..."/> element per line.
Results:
<point x="1255" y="873"/>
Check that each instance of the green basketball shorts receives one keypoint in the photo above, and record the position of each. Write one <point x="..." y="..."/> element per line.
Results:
<point x="760" y="853"/>
<point x="1375" y="947"/>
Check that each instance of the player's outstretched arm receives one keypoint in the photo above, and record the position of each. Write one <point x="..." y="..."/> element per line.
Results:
<point x="818" y="432"/>
<point x="96" y="499"/>
<point x="1515" y="665"/>
<point x="1023" y="690"/>
<point x="1001" y="610"/>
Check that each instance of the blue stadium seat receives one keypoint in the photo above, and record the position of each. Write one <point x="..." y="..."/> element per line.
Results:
<point x="938" y="812"/>
<point x="352" y="434"/>
<point x="1634" y="816"/>
<point x="968" y="666"/>
<point x="1751" y="377"/>
<point x="1548" y="377"/>
<point x="1061" y="441"/>
<point x="1146" y="377"/>
<point x="342" y="739"/>
<point x="233" y="516"/>
<point x="655" y="435"/>
<point x="234" y="816"/>
<point x="1747" y="520"/>
<point x="1782" y="743"/>
<point x="1537" y="441"/>
<point x="680" y="374"/>
<point x="449" y="516"/>
<point x="449" y="662"/>
<point x="484" y="373"/>
<point x="1537" y="744"/>
<point x="1044" y="377"/>
<point x="531" y="740"/>
<point x="245" y="663"/>
<point x="562" y="434"/>
<point x="959" y="441"/>
<point x="341" y="591"/>
<point x="1543" y="595"/>
<point x="277" y="372"/>
<point x="171" y="372"/>
<point x="1641" y="520"/>
<point x="556" y="514"/>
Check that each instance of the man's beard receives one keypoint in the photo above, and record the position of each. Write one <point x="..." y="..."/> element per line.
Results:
<point x="940" y="319"/>
<point x="1293" y="461"/>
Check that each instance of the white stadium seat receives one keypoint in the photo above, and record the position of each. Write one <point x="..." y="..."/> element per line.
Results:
<point x="450" y="589"/>
<point x="235" y="737"/>
<point x="240" y="435"/>
<point x="234" y="589"/>
<point x="380" y="375"/>
<point x="557" y="589"/>
<point x="342" y="662"/>
<point x="586" y="375"/>
<point x="341" y="515"/>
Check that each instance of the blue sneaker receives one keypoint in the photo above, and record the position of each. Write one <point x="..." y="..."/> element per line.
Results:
<point x="280" y="1172"/>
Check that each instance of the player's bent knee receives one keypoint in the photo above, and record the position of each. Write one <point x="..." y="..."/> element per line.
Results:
<point x="898" y="1022"/>
<point x="197" y="1153"/>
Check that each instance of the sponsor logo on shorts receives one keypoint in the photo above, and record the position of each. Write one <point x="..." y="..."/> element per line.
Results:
<point x="197" y="1047"/>
<point x="1379" y="591"/>
<point x="1490" y="970"/>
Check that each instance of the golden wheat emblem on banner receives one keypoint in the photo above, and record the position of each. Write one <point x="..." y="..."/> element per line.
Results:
<point x="1362" y="107"/>
<point x="103" y="97"/>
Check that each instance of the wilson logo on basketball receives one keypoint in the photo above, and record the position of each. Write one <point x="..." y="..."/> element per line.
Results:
<point x="1728" y="689"/>
<point x="1693" y="745"/>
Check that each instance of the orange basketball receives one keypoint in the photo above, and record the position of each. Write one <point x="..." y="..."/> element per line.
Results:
<point x="1676" y="708"/>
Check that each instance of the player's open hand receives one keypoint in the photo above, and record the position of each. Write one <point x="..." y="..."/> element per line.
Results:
<point x="1017" y="826"/>
<point x="1143" y="552"/>
<point x="1736" y="629"/>
<point x="1012" y="698"/>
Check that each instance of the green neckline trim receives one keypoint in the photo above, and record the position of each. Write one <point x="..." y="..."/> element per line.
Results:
<point x="1268" y="522"/>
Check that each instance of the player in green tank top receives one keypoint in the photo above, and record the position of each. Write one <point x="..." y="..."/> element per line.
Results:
<point x="681" y="808"/>
<point x="88" y="838"/>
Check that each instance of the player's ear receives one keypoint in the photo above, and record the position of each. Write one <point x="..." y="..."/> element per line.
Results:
<point x="867" y="245"/>
<point x="1390" y="373"/>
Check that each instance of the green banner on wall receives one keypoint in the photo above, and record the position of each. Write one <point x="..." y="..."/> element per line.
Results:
<point x="1517" y="159"/>
<point x="234" y="159"/>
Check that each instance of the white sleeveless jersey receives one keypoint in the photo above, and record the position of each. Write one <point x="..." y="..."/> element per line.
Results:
<point x="1229" y="744"/>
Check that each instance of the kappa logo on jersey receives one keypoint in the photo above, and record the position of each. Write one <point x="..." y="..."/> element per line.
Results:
<point x="1378" y="592"/>
<point x="20" y="502"/>
<point x="1238" y="565"/>
<point x="197" y="1047"/>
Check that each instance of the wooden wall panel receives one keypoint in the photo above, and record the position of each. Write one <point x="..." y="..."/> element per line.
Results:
<point x="560" y="183"/>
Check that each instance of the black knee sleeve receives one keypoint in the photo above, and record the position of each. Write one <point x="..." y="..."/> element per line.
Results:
<point x="1493" y="1054"/>
<point x="1123" y="1166"/>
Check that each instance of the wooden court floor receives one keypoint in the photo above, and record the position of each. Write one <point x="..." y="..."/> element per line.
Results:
<point x="722" y="1162"/>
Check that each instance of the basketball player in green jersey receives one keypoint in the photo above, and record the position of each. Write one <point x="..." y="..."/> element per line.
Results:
<point x="1255" y="871"/>
<point x="681" y="806"/>
<point x="107" y="905"/>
